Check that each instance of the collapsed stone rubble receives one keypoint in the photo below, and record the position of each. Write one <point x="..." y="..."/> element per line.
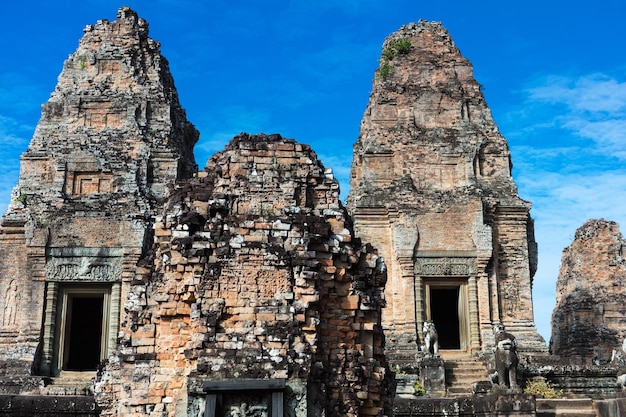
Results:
<point x="254" y="274"/>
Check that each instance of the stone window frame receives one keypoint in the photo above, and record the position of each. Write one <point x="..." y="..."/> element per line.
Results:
<point x="275" y="387"/>
<point x="97" y="178"/>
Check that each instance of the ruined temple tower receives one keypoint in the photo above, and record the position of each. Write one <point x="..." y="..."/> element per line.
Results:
<point x="589" y="319"/>
<point x="111" y="139"/>
<point x="431" y="188"/>
<point x="135" y="285"/>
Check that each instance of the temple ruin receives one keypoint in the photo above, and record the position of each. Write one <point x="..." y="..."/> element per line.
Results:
<point x="431" y="187"/>
<point x="589" y="319"/>
<point x="137" y="285"/>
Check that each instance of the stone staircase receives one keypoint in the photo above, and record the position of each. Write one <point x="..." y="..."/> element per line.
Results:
<point x="579" y="407"/>
<point x="69" y="383"/>
<point x="461" y="373"/>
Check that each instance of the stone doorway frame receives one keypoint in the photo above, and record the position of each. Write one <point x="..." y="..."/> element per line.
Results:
<point x="455" y="268"/>
<point x="273" y="387"/>
<point x="78" y="270"/>
<point x="68" y="293"/>
<point x="462" y="306"/>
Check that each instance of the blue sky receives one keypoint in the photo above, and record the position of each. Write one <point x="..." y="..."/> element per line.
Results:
<point x="554" y="76"/>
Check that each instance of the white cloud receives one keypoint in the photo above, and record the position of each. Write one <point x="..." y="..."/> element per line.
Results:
<point x="568" y="147"/>
<point x="589" y="107"/>
<point x="589" y="93"/>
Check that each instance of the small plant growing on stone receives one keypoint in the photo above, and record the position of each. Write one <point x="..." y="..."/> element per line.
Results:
<point x="543" y="388"/>
<point x="398" y="47"/>
<point x="22" y="197"/>
<point x="402" y="46"/>
<point x="388" y="53"/>
<point x="384" y="70"/>
<point x="81" y="62"/>
<point x="418" y="389"/>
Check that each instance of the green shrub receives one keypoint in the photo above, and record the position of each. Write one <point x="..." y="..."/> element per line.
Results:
<point x="21" y="198"/>
<point x="418" y="389"/>
<point x="388" y="53"/>
<point x="543" y="388"/>
<point x="384" y="70"/>
<point x="402" y="46"/>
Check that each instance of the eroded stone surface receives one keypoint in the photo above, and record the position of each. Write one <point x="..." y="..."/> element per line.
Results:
<point x="589" y="319"/>
<point x="431" y="187"/>
<point x="254" y="273"/>
<point x="250" y="271"/>
<point x="111" y="140"/>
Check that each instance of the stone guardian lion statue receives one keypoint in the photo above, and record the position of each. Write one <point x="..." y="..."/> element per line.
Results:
<point x="506" y="357"/>
<point x="431" y="338"/>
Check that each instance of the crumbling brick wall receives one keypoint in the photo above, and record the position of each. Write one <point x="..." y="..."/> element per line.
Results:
<point x="254" y="274"/>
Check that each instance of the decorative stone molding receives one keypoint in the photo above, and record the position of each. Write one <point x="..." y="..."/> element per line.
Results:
<point x="84" y="265"/>
<point x="444" y="266"/>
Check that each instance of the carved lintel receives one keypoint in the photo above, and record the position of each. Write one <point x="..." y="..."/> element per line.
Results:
<point x="443" y="266"/>
<point x="85" y="268"/>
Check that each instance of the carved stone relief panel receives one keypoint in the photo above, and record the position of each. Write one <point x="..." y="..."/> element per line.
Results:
<point x="246" y="405"/>
<point x="510" y="298"/>
<point x="379" y="167"/>
<point x="244" y="398"/>
<point x="11" y="304"/>
<point x="84" y="265"/>
<point x="87" y="182"/>
<point x="444" y="266"/>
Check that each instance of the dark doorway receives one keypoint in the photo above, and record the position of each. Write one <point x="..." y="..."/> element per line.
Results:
<point x="84" y="333"/>
<point x="444" y="312"/>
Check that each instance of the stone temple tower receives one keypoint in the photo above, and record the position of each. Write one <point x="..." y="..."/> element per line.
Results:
<point x="111" y="138"/>
<point x="431" y="188"/>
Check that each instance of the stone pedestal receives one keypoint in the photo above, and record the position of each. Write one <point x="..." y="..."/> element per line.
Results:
<point x="433" y="376"/>
<point x="510" y="405"/>
<point x="405" y="385"/>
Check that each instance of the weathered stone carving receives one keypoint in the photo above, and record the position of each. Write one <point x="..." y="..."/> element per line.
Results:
<point x="619" y="354"/>
<point x="431" y="188"/>
<point x="11" y="303"/>
<point x="510" y="299"/>
<point x="431" y="338"/>
<point x="87" y="269"/>
<point x="461" y="267"/>
<point x="505" y="357"/>
<point x="245" y="406"/>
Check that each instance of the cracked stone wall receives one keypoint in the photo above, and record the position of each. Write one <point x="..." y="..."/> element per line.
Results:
<point x="431" y="187"/>
<point x="254" y="273"/>
<point x="111" y="139"/>
<point x="588" y="321"/>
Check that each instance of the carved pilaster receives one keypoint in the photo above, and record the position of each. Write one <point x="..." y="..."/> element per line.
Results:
<point x="473" y="314"/>
<point x="407" y="306"/>
<point x="419" y="306"/>
<point x="114" y="318"/>
<point x="49" y="327"/>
